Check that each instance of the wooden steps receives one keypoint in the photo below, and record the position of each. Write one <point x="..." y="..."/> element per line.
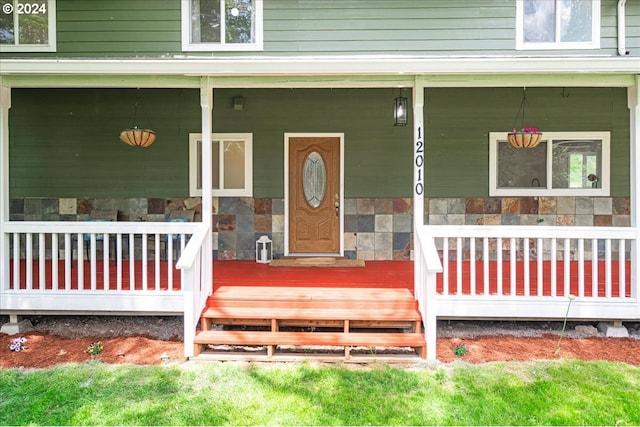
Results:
<point x="296" y="319"/>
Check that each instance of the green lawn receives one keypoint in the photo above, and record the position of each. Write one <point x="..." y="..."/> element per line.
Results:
<point x="550" y="393"/>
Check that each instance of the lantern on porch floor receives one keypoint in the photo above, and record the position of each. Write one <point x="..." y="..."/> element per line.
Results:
<point x="526" y="137"/>
<point x="264" y="250"/>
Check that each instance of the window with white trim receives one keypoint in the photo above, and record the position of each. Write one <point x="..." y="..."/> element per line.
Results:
<point x="28" y="26"/>
<point x="218" y="25"/>
<point x="557" y="24"/>
<point x="563" y="164"/>
<point x="231" y="162"/>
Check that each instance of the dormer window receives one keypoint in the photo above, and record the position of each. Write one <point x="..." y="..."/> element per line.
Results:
<point x="557" y="24"/>
<point x="221" y="25"/>
<point x="28" y="26"/>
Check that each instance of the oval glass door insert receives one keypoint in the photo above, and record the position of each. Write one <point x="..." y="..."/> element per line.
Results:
<point x="314" y="180"/>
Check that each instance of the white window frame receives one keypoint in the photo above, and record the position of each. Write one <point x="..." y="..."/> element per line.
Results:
<point x="595" y="31"/>
<point x="247" y="138"/>
<point x="51" y="28"/>
<point x="549" y="137"/>
<point x="188" y="45"/>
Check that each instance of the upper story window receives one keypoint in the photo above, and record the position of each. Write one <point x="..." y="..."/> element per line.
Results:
<point x="557" y="24"/>
<point x="564" y="164"/>
<point x="231" y="160"/>
<point x="28" y="26"/>
<point x="230" y="25"/>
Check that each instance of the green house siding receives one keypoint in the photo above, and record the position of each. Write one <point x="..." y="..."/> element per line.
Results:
<point x="458" y="122"/>
<point x="64" y="142"/>
<point x="144" y="28"/>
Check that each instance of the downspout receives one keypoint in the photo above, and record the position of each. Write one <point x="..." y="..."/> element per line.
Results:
<point x="622" y="49"/>
<point x="5" y="105"/>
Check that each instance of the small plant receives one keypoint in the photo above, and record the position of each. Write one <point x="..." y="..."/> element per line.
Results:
<point x="460" y="350"/>
<point x="95" y="348"/>
<point x="564" y="325"/>
<point x="18" y="344"/>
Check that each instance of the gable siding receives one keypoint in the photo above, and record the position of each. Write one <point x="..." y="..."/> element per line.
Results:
<point x="143" y="28"/>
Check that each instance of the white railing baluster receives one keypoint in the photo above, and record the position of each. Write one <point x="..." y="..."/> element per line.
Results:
<point x="459" y="265"/>
<point x="445" y="266"/>
<point x="145" y="263"/>
<point x="581" y="268"/>
<point x="607" y="268"/>
<point x="554" y="267"/>
<point x="16" y="261"/>
<point x="68" y="261"/>
<point x="54" y="261"/>
<point x="92" y="260"/>
<point x="525" y="252"/>
<point x="42" y="269"/>
<point x="132" y="261"/>
<point x="170" y="256"/>
<point x="156" y="251"/>
<point x="485" y="265"/>
<point x="499" y="265"/>
<point x="80" y="256"/>
<point x="539" y="266"/>
<point x="29" y="260"/>
<point x="472" y="265"/>
<point x="622" y="272"/>
<point x="119" y="261"/>
<point x="594" y="268"/>
<point x="106" y="254"/>
<point x="512" y="266"/>
<point x="567" y="267"/>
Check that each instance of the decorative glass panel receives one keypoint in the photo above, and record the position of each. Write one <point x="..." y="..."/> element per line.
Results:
<point x="314" y="182"/>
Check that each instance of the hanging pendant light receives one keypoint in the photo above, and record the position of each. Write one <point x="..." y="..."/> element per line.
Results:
<point x="525" y="137"/>
<point x="135" y="136"/>
<point x="400" y="110"/>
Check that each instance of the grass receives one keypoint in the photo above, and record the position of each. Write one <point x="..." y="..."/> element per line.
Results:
<point x="550" y="392"/>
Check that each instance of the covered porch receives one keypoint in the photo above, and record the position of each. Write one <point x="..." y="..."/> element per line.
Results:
<point x="458" y="270"/>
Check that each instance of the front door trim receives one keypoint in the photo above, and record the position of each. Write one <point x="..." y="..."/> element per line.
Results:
<point x="287" y="136"/>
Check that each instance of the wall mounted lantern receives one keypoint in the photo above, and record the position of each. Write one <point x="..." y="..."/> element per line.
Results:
<point x="523" y="137"/>
<point x="400" y="110"/>
<point x="135" y="136"/>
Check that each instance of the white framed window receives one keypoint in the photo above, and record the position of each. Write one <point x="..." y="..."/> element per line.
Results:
<point x="557" y="24"/>
<point x="232" y="164"/>
<point x="222" y="25"/>
<point x="563" y="164"/>
<point x="28" y="26"/>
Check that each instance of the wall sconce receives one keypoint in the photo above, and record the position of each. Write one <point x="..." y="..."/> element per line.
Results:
<point x="135" y="136"/>
<point x="400" y="110"/>
<point x="238" y="103"/>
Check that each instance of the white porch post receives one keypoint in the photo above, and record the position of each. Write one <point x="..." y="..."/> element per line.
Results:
<point x="5" y="104"/>
<point x="427" y="293"/>
<point x="634" y="140"/>
<point x="206" y="103"/>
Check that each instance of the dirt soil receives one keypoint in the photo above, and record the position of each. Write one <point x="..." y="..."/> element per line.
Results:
<point x="55" y="340"/>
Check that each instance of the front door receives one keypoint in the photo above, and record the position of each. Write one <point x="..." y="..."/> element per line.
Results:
<point x="314" y="211"/>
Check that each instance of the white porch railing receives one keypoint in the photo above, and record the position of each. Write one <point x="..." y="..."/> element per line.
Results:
<point x="197" y="279"/>
<point x="93" y="267"/>
<point x="525" y="273"/>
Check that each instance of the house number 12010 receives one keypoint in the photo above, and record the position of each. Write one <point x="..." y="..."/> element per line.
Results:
<point x="419" y="160"/>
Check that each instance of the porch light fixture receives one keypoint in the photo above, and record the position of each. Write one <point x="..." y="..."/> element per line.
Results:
<point x="135" y="136"/>
<point x="526" y="137"/>
<point x="400" y="110"/>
